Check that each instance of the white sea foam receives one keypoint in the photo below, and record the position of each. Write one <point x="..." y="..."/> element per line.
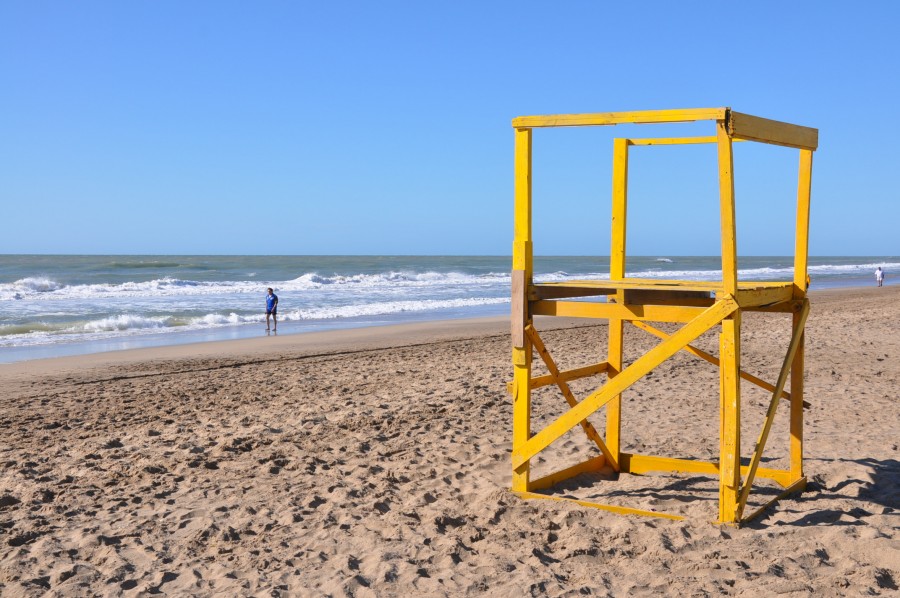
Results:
<point x="231" y="319"/>
<point x="42" y="289"/>
<point x="123" y="322"/>
<point x="130" y="324"/>
<point x="45" y="289"/>
<point x="28" y="287"/>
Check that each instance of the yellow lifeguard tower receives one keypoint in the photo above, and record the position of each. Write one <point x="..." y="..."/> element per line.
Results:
<point x="699" y="306"/>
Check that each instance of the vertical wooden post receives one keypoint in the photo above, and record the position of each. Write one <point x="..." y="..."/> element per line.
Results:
<point x="726" y="207"/>
<point x="797" y="405"/>
<point x="801" y="261"/>
<point x="617" y="272"/>
<point x="730" y="410"/>
<point x="522" y="273"/>
<point x="619" y="209"/>
<point x="729" y="341"/>
<point x="801" y="243"/>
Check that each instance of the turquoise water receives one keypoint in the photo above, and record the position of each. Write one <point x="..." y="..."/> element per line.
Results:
<point x="62" y="305"/>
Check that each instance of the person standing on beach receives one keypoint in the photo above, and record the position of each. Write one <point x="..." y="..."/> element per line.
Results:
<point x="272" y="309"/>
<point x="879" y="276"/>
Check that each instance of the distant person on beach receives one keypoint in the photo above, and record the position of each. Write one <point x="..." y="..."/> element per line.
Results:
<point x="879" y="276"/>
<point x="272" y="309"/>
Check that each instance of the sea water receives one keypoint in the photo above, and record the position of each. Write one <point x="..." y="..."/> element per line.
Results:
<point x="63" y="305"/>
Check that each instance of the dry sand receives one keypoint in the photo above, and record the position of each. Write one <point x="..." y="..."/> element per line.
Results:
<point x="376" y="463"/>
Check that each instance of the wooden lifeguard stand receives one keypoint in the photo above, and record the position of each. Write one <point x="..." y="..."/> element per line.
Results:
<point x="699" y="306"/>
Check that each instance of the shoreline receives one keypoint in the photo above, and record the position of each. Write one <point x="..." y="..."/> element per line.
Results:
<point x="294" y="344"/>
<point x="175" y="337"/>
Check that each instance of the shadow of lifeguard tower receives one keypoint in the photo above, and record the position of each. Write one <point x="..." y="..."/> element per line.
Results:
<point x="699" y="306"/>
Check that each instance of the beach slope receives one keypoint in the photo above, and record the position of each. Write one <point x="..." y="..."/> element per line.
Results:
<point x="377" y="463"/>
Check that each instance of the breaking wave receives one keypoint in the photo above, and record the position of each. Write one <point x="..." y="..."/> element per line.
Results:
<point x="130" y="324"/>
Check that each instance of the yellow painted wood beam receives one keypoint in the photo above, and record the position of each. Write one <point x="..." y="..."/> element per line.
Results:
<point x="669" y="140"/>
<point x="637" y="370"/>
<point x="519" y="315"/>
<point x="619" y="210"/>
<point x="641" y="464"/>
<point x="798" y="486"/>
<point x="787" y="307"/>
<point x="796" y="337"/>
<point x="801" y="240"/>
<point x="522" y="251"/>
<point x="521" y="276"/>
<point x="766" y="296"/>
<point x="566" y="375"/>
<point x="726" y="211"/>
<point x="588" y="428"/>
<point x="730" y="417"/>
<point x="754" y="128"/>
<point x="591" y="465"/>
<point x="521" y="425"/>
<point x="593" y="505"/>
<point x="657" y="297"/>
<point x="615" y="351"/>
<point x="541" y="292"/>
<point x="609" y="311"/>
<point x="650" y="284"/>
<point x="715" y="361"/>
<point x="796" y="424"/>
<point x="522" y="244"/>
<point x="659" y="284"/>
<point x="617" y="261"/>
<point x="660" y="298"/>
<point x="674" y="140"/>
<point x="617" y="118"/>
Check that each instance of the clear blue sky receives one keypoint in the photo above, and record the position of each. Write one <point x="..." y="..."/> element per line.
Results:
<point x="384" y="127"/>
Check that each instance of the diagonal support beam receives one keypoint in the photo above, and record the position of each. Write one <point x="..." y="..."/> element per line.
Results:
<point x="707" y="319"/>
<point x="773" y="407"/>
<point x="715" y="361"/>
<point x="567" y="393"/>
<point x="797" y="486"/>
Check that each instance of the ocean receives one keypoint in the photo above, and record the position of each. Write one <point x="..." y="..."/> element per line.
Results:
<point x="54" y="305"/>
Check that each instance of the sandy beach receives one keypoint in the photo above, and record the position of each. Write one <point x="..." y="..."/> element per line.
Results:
<point x="376" y="462"/>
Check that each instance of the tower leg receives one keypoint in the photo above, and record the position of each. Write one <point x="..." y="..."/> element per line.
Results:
<point x="521" y="355"/>
<point x="614" y="407"/>
<point x="797" y="407"/>
<point x="522" y="270"/>
<point x="617" y="272"/>
<point x="521" y="414"/>
<point x="730" y="426"/>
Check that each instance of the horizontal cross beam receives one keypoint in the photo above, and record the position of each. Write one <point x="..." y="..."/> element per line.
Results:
<point x="566" y="375"/>
<point x="617" y="118"/>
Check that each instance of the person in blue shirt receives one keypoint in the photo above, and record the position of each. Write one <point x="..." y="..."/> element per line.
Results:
<point x="272" y="309"/>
